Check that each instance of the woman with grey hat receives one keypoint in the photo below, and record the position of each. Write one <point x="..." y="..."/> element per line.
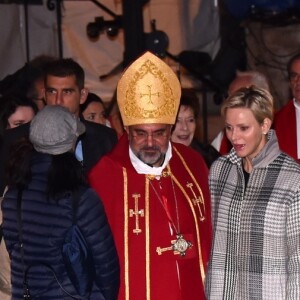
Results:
<point x="45" y="169"/>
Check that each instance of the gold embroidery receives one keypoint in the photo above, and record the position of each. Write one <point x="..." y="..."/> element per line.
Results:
<point x="126" y="255"/>
<point x="136" y="212"/>
<point x="197" y="201"/>
<point x="160" y="250"/>
<point x="179" y="246"/>
<point x="165" y="173"/>
<point x="149" y="95"/>
<point x="192" y="209"/>
<point x="193" y="178"/>
<point x="148" y="76"/>
<point x="147" y="229"/>
<point x="147" y="225"/>
<point x="150" y="177"/>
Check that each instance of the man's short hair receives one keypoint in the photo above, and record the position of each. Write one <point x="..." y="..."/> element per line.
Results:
<point x="290" y="63"/>
<point x="64" y="67"/>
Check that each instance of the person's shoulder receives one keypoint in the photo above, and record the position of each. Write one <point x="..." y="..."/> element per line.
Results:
<point x="87" y="192"/>
<point x="290" y="163"/>
<point x="221" y="163"/>
<point x="118" y="156"/>
<point x="284" y="109"/>
<point x="208" y="152"/>
<point x="98" y="128"/>
<point x="99" y="132"/>
<point x="184" y="149"/>
<point x="289" y="171"/>
<point x="283" y="119"/>
<point x="190" y="155"/>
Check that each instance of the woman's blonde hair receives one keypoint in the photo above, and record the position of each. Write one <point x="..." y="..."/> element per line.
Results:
<point x="258" y="100"/>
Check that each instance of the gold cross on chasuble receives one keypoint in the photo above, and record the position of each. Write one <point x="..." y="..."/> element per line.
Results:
<point x="198" y="201"/>
<point x="137" y="213"/>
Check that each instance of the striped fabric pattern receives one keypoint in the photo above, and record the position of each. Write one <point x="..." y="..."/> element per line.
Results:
<point x="256" y="230"/>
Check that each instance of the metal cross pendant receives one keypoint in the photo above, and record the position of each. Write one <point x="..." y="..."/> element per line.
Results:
<point x="160" y="250"/>
<point x="181" y="245"/>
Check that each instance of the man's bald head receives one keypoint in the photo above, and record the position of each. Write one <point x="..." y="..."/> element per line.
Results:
<point x="247" y="79"/>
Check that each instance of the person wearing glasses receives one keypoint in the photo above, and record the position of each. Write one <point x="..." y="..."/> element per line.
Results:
<point x="287" y="119"/>
<point x="155" y="193"/>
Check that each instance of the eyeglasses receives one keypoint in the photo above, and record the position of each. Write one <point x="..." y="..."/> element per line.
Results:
<point x="141" y="136"/>
<point x="294" y="76"/>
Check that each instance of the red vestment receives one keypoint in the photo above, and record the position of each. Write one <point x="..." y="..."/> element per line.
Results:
<point x="142" y="230"/>
<point x="285" y="126"/>
<point x="225" y="146"/>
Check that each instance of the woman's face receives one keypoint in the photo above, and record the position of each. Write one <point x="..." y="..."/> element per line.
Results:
<point x="22" y="115"/>
<point x="95" y="113"/>
<point x="185" y="126"/>
<point x="246" y="135"/>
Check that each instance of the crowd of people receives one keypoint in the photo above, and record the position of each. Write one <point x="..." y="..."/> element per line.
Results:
<point x="163" y="215"/>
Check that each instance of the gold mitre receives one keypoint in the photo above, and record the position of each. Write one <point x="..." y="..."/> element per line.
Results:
<point x="148" y="92"/>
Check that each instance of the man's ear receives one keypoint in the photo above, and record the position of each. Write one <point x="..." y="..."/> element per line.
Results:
<point x="83" y="95"/>
<point x="126" y="129"/>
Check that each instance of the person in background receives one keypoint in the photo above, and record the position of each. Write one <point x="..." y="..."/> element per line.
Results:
<point x="36" y="83"/>
<point x="64" y="86"/>
<point x="15" y="111"/>
<point x="287" y="119"/>
<point x="28" y="81"/>
<point x="185" y="127"/>
<point x="114" y="116"/>
<point x="255" y="196"/>
<point x="242" y="79"/>
<point x="155" y="193"/>
<point x="46" y="171"/>
<point x="93" y="110"/>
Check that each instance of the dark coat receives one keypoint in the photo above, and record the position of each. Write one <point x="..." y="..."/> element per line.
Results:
<point x="9" y="138"/>
<point x="45" y="224"/>
<point x="96" y="141"/>
<point x="208" y="152"/>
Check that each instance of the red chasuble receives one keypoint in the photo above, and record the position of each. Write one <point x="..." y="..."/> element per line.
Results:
<point x="162" y="228"/>
<point x="286" y="129"/>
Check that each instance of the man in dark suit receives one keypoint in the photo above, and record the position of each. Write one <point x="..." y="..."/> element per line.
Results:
<point x="64" y="85"/>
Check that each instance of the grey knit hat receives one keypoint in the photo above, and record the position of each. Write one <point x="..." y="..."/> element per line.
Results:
<point x="54" y="130"/>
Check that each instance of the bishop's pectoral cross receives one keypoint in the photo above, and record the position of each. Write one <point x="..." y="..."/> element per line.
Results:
<point x="197" y="201"/>
<point x="137" y="213"/>
<point x="178" y="246"/>
<point x="150" y="94"/>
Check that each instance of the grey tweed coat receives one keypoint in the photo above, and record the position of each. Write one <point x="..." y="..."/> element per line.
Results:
<point x="256" y="230"/>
